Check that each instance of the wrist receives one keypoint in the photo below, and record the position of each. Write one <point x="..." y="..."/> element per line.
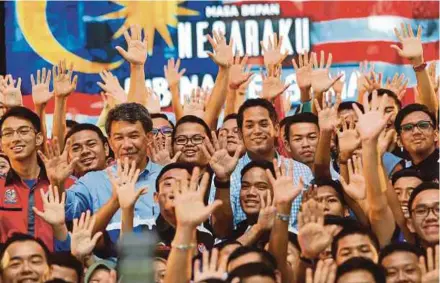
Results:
<point x="135" y="66"/>
<point x="417" y="61"/>
<point x="284" y="208"/>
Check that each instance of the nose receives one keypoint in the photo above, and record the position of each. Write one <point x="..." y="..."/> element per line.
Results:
<point x="127" y="143"/>
<point x="401" y="276"/>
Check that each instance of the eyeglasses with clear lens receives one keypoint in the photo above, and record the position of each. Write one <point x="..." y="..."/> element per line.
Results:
<point x="421" y="125"/>
<point x="195" y="140"/>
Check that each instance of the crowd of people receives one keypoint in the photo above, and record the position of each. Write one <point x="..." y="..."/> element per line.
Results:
<point x="339" y="192"/>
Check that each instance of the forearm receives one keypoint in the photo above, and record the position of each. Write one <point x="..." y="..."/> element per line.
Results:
<point x="239" y="100"/>
<point x="175" y="100"/>
<point x="105" y="214"/>
<point x="321" y="167"/>
<point x="60" y="232"/>
<point x="102" y="118"/>
<point x="59" y="120"/>
<point x="279" y="238"/>
<point x="222" y="218"/>
<point x="218" y="97"/>
<point x="426" y="91"/>
<point x="230" y="102"/>
<point x="127" y="220"/>
<point x="179" y="260"/>
<point x="305" y="95"/>
<point x="251" y="236"/>
<point x="39" y="109"/>
<point x="278" y="105"/>
<point x="138" y="90"/>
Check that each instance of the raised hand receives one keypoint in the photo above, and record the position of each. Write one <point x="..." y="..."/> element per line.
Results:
<point x="313" y="237"/>
<point x="188" y="200"/>
<point x="338" y="86"/>
<point x="328" y="115"/>
<point x="223" y="54"/>
<point x="429" y="266"/>
<point x="411" y="45"/>
<point x="160" y="154"/>
<point x="357" y="188"/>
<point x="63" y="85"/>
<point x="325" y="272"/>
<point x="195" y="103"/>
<point x="321" y="80"/>
<point x="82" y="240"/>
<point x="40" y="88"/>
<point x="364" y="72"/>
<point x="272" y="53"/>
<point x="112" y="87"/>
<point x="11" y="92"/>
<point x="124" y="183"/>
<point x="272" y="84"/>
<point x="171" y="72"/>
<point x="303" y="71"/>
<point x="266" y="217"/>
<point x="387" y="139"/>
<point x="371" y="83"/>
<point x="348" y="139"/>
<point x="137" y="48"/>
<point x="435" y="81"/>
<point x="54" y="213"/>
<point x="284" y="189"/>
<point x="153" y="101"/>
<point x="371" y="123"/>
<point x="212" y="268"/>
<point x="397" y="85"/>
<point x="58" y="167"/>
<point x="219" y="159"/>
<point x="239" y="73"/>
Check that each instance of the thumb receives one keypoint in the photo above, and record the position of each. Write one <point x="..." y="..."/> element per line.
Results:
<point x="213" y="206"/>
<point x="141" y="192"/>
<point x="96" y="237"/>
<point x="73" y="163"/>
<point x="397" y="48"/>
<point x="176" y="156"/>
<point x="122" y="52"/>
<point x="38" y="212"/>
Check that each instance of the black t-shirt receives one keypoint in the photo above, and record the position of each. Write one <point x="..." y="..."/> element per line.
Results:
<point x="165" y="234"/>
<point x="429" y="168"/>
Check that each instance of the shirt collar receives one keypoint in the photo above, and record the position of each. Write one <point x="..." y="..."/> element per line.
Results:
<point x="247" y="159"/>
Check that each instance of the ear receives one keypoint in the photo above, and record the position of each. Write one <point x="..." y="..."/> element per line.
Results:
<point x="399" y="141"/>
<point x="39" y="139"/>
<point x="436" y="135"/>
<point x="278" y="276"/>
<point x="286" y="145"/>
<point x="156" y="197"/>
<point x="410" y="225"/>
<point x="277" y="130"/>
<point x="106" y="149"/>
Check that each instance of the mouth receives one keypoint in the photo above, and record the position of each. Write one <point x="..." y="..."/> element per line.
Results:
<point x="251" y="203"/>
<point x="190" y="152"/>
<point x="17" y="148"/>
<point x="259" y="139"/>
<point x="128" y="155"/>
<point x="307" y="153"/>
<point x="87" y="161"/>
<point x="431" y="228"/>
<point x="27" y="279"/>
<point x="232" y="142"/>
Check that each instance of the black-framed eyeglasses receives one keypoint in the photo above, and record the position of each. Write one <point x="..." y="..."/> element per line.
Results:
<point x="424" y="210"/>
<point x="21" y="131"/>
<point x="421" y="125"/>
<point x="166" y="131"/>
<point x="195" y="140"/>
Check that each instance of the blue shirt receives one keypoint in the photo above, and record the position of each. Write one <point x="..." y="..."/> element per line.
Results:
<point x="94" y="189"/>
<point x="299" y="170"/>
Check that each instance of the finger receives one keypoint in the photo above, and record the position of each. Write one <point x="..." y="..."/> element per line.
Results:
<point x="32" y="80"/>
<point x="419" y="32"/>
<point x="18" y="83"/>
<point x="194" y="179"/>
<point x="350" y="167"/>
<point x="270" y="177"/>
<point x="81" y="220"/>
<point x="49" y="74"/>
<point x="410" y="30"/>
<point x="38" y="212"/>
<point x="321" y="60"/>
<point x="329" y="61"/>
<point x="262" y="203"/>
<point x="43" y="157"/>
<point x="205" y="258"/>
<point x="205" y="151"/>
<point x="357" y="110"/>
<point x="43" y="196"/>
<point x="422" y="265"/>
<point x="215" y="140"/>
<point x="196" y="269"/>
<point x="309" y="275"/>
<point x="96" y="238"/>
<point x="397" y="48"/>
<point x="430" y="257"/>
<point x="176" y="157"/>
<point x="214" y="259"/>
<point x="204" y="185"/>
<point x="295" y="66"/>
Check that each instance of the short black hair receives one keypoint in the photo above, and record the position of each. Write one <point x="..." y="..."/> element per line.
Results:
<point x="354" y="230"/>
<point x="267" y="258"/>
<point x="86" y="127"/>
<point x="71" y="123"/>
<point x="189" y="167"/>
<point x="129" y="112"/>
<point x="230" y="117"/>
<point x="163" y="116"/>
<point x="420" y="188"/>
<point x="407" y="172"/>
<point x="66" y="259"/>
<point x="20" y="237"/>
<point x="360" y="263"/>
<point x="226" y="243"/>
<point x="399" y="247"/>
<point x="192" y="119"/>
<point x="305" y="117"/>
<point x="390" y="93"/>
<point x="415" y="107"/>
<point x="348" y="105"/>
<point x="263" y="164"/>
<point x="251" y="269"/>
<point x="256" y="102"/>
<point x="285" y="120"/>
<point x="336" y="185"/>
<point x="22" y="113"/>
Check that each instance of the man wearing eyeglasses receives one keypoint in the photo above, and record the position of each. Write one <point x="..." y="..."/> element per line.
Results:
<point x="423" y="208"/>
<point x="418" y="134"/>
<point x="162" y="128"/>
<point x="20" y="190"/>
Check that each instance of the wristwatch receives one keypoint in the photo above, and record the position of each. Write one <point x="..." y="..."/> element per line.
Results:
<point x="420" y="67"/>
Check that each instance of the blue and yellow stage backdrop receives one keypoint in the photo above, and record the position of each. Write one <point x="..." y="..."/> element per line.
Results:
<point x="40" y="33"/>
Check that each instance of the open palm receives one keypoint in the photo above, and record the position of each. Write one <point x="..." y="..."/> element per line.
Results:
<point x="137" y="49"/>
<point x="411" y="45"/>
<point x="82" y="242"/>
<point x="223" y="53"/>
<point x="53" y="207"/>
<point x="40" y="88"/>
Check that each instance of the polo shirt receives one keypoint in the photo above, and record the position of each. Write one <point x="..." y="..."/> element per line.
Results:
<point x="429" y="168"/>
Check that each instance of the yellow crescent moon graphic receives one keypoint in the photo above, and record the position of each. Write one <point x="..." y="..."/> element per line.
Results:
<point x="32" y="20"/>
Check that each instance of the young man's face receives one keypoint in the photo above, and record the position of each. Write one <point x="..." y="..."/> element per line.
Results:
<point x="189" y="139"/>
<point x="24" y="262"/>
<point x="91" y="151"/>
<point x="162" y="131"/>
<point x="357" y="276"/>
<point x="19" y="138"/>
<point x="165" y="196"/>
<point x="404" y="187"/>
<point x="229" y="130"/>
<point x="390" y="107"/>
<point x="129" y="140"/>
<point x="424" y="219"/>
<point x="418" y="141"/>
<point x="160" y="269"/>
<point x="402" y="266"/>
<point x="303" y="141"/>
<point x="100" y="275"/>
<point x="330" y="198"/>
<point x="4" y="166"/>
<point x="355" y="245"/>
<point x="259" y="133"/>
<point x="255" y="185"/>
<point x="65" y="273"/>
